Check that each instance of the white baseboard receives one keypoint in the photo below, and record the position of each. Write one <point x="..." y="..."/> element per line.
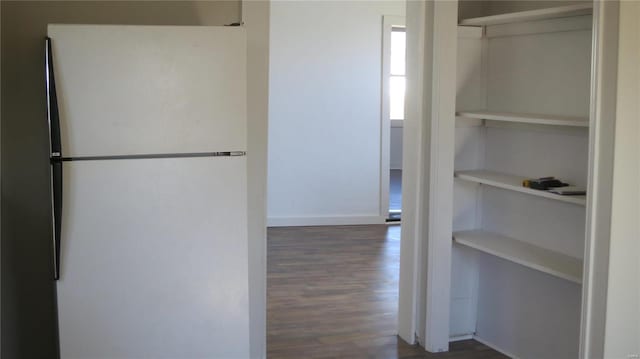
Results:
<point x="460" y="337"/>
<point x="495" y="347"/>
<point x="323" y="221"/>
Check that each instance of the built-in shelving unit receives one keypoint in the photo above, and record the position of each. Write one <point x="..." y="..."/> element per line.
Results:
<point x="531" y="15"/>
<point x="514" y="183"/>
<point x="522" y="95"/>
<point x="544" y="260"/>
<point x="533" y="119"/>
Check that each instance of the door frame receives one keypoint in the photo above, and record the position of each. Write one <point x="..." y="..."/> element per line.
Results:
<point x="388" y="22"/>
<point x="425" y="254"/>
<point x="256" y="19"/>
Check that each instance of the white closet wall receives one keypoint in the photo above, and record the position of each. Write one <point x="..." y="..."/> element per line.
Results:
<point x="517" y="253"/>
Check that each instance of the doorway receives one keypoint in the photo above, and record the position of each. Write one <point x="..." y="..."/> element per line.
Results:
<point x="393" y="94"/>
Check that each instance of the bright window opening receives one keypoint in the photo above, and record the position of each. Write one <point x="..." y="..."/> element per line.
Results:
<point x="397" y="80"/>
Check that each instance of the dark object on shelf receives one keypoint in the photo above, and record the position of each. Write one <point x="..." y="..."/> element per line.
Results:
<point x="569" y="191"/>
<point x="543" y="183"/>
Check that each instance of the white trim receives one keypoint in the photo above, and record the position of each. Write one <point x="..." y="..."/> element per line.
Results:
<point x="324" y="221"/>
<point x="458" y="338"/>
<point x="494" y="347"/>
<point x="622" y="328"/>
<point x="440" y="166"/>
<point x="600" y="178"/>
<point x="413" y="266"/>
<point x="256" y="17"/>
<point x="411" y="293"/>
<point x="385" y="122"/>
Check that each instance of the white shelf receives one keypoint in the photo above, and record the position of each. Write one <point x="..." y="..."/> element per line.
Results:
<point x="526" y="118"/>
<point x="531" y="15"/>
<point x="528" y="255"/>
<point x="514" y="183"/>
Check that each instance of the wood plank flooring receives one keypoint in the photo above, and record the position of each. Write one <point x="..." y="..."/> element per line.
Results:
<point x="333" y="293"/>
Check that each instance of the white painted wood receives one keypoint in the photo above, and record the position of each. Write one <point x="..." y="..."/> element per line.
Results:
<point x="622" y="336"/>
<point x="540" y="27"/>
<point x="412" y="291"/>
<point x="514" y="183"/>
<point x="527" y="118"/>
<point x="533" y="122"/>
<point x="154" y="259"/>
<point x="544" y="260"/>
<point x="604" y="76"/>
<point x="256" y="19"/>
<point x="388" y="22"/>
<point x="117" y="82"/>
<point x="324" y="221"/>
<point x="461" y="337"/>
<point x="531" y="15"/>
<point x="442" y="106"/>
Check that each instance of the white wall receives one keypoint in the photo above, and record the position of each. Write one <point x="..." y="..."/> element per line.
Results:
<point x="395" y="159"/>
<point x="324" y="111"/>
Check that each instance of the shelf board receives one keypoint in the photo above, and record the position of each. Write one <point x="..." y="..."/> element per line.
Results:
<point x="526" y="118"/>
<point x="528" y="255"/>
<point x="531" y="15"/>
<point x="514" y="183"/>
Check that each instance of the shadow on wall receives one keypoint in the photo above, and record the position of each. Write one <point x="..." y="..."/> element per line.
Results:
<point x="28" y="292"/>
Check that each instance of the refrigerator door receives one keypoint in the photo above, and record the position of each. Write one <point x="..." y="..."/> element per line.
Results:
<point x="129" y="90"/>
<point x="154" y="259"/>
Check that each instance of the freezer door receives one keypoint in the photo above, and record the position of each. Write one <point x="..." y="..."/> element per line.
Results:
<point x="154" y="259"/>
<point x="127" y="90"/>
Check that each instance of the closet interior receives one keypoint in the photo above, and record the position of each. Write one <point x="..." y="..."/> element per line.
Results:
<point x="523" y="91"/>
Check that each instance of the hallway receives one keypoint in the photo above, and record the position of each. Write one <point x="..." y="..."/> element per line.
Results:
<point x="333" y="293"/>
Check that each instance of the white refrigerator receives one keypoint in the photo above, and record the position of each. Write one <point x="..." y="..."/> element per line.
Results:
<point x="148" y="177"/>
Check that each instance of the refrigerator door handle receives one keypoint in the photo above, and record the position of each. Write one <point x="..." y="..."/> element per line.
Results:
<point x="55" y="156"/>
<point x="56" y="215"/>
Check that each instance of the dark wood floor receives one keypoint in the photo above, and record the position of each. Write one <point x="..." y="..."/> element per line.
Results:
<point x="333" y="293"/>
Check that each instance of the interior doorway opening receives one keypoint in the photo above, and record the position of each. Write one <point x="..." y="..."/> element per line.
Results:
<point x="393" y="94"/>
